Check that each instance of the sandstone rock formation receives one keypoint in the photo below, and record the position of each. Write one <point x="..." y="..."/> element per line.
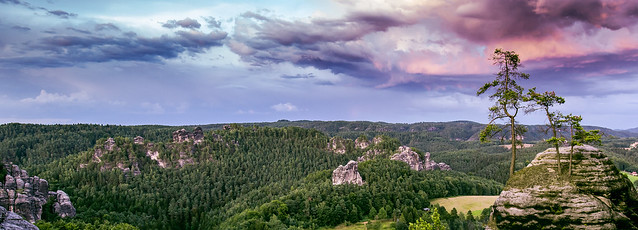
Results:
<point x="62" y="205"/>
<point x="361" y="143"/>
<point x="597" y="196"/>
<point x="26" y="195"/>
<point x="138" y="140"/>
<point x="347" y="174"/>
<point x="337" y="145"/>
<point x="182" y="135"/>
<point x="370" y="154"/>
<point x="431" y="165"/>
<point x="406" y="155"/>
<point x="12" y="221"/>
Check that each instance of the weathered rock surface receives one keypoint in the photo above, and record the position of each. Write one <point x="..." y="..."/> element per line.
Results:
<point x="406" y="155"/>
<point x="138" y="140"/>
<point x="596" y="197"/>
<point x="26" y="195"/>
<point x="62" y="205"/>
<point x="12" y="221"/>
<point x="347" y="174"/>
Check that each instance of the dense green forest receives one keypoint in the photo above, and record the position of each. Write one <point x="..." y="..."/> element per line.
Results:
<point x="261" y="176"/>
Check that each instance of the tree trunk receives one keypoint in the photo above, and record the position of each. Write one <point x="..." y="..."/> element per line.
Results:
<point x="555" y="143"/>
<point x="513" y="131"/>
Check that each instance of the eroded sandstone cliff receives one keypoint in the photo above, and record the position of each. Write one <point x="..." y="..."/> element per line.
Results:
<point x="596" y="196"/>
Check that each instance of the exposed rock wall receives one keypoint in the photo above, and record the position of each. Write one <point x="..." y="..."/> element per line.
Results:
<point x="596" y="197"/>
<point x="347" y="174"/>
<point x="26" y="195"/>
<point x="12" y="221"/>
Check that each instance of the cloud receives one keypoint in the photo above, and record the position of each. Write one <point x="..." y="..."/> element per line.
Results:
<point x="213" y="23"/>
<point x="106" y="26"/>
<point x="22" y="28"/>
<point x="68" y="50"/>
<point x="298" y="76"/>
<point x="55" y="98"/>
<point x="284" y="107"/>
<point x="186" y="23"/>
<point x="62" y="14"/>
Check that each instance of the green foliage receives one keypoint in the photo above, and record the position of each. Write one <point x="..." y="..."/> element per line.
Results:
<point x="508" y="96"/>
<point x="61" y="224"/>
<point x="424" y="225"/>
<point x="544" y="101"/>
<point x="382" y="213"/>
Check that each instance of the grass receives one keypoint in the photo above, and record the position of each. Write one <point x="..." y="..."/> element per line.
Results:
<point x="476" y="204"/>
<point x="631" y="178"/>
<point x="385" y="224"/>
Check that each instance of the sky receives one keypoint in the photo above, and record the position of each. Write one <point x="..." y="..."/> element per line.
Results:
<point x="402" y="61"/>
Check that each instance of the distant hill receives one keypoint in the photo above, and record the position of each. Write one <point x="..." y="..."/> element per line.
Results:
<point x="634" y="130"/>
<point x="453" y="130"/>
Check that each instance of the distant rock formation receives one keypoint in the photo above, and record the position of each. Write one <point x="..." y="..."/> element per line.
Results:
<point x="597" y="196"/>
<point x="406" y="155"/>
<point x="182" y="135"/>
<point x="12" y="221"/>
<point x="26" y="195"/>
<point x="370" y="154"/>
<point x="138" y="140"/>
<point x="337" y="145"/>
<point x="361" y="143"/>
<point x="347" y="174"/>
<point x="431" y="165"/>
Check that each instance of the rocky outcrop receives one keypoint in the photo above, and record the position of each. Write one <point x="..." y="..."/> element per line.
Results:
<point x="370" y="154"/>
<point x="347" y="174"/>
<point x="361" y="143"/>
<point x="12" y="221"/>
<point x="597" y="196"/>
<point x="62" y="205"/>
<point x="197" y="136"/>
<point x="138" y="140"/>
<point x="109" y="146"/>
<point x="337" y="145"/>
<point x="406" y="155"/>
<point x="431" y="165"/>
<point x="26" y="195"/>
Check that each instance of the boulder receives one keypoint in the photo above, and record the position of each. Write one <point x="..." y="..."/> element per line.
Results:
<point x="347" y="174"/>
<point x="596" y="196"/>
<point x="432" y="165"/>
<point x="406" y="155"/>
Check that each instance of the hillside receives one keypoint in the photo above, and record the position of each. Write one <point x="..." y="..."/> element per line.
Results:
<point x="161" y="177"/>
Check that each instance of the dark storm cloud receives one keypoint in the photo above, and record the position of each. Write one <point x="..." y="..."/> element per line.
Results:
<point x="72" y="50"/>
<point x="186" y="23"/>
<point x="320" y="43"/>
<point x="212" y="22"/>
<point x="352" y="27"/>
<point x="495" y="19"/>
<point x="106" y="26"/>
<point x="62" y="14"/>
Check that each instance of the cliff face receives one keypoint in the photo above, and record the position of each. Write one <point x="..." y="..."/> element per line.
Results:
<point x="12" y="221"/>
<point x="26" y="195"/>
<point x="596" y="196"/>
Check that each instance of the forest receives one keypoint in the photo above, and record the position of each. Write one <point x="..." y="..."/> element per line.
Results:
<point x="261" y="176"/>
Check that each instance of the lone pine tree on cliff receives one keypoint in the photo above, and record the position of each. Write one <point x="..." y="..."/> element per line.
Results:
<point x="508" y="95"/>
<point x="544" y="101"/>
